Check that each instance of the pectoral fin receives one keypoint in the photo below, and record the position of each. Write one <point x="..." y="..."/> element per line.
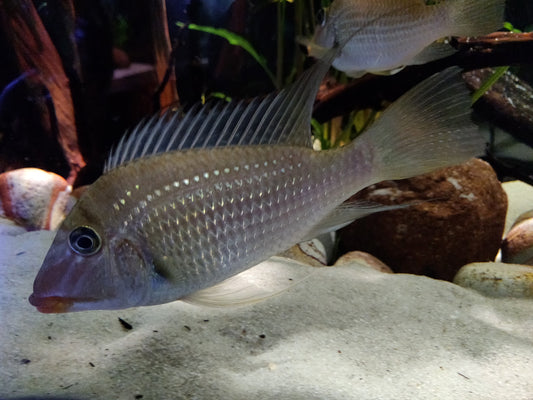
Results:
<point x="267" y="279"/>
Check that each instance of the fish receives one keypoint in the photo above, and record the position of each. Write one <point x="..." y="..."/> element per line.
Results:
<point x="189" y="200"/>
<point x="382" y="37"/>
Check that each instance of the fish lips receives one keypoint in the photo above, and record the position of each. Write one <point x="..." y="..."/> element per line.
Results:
<point x="51" y="304"/>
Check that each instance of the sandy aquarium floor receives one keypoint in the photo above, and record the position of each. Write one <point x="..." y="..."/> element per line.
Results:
<point x="343" y="333"/>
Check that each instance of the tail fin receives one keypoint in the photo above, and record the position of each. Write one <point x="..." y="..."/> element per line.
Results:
<point x="427" y="128"/>
<point x="474" y="17"/>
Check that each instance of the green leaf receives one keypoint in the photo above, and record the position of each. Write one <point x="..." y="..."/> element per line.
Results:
<point x="233" y="39"/>
<point x="498" y="73"/>
<point x="511" y="28"/>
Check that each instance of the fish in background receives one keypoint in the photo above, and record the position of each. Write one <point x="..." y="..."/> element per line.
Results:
<point x="191" y="199"/>
<point x="384" y="36"/>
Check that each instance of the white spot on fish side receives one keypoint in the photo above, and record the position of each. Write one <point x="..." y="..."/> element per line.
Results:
<point x="206" y="175"/>
<point x="226" y="170"/>
<point x="216" y="172"/>
<point x="149" y="197"/>
<point x="455" y="183"/>
<point x="185" y="181"/>
<point x="122" y="201"/>
<point x="167" y="188"/>
<point x="128" y="193"/>
<point x="176" y="184"/>
<point x="196" y="178"/>
<point x="137" y="187"/>
<point x="236" y="168"/>
<point x="469" y="196"/>
<point x="157" y="192"/>
<point x="116" y="207"/>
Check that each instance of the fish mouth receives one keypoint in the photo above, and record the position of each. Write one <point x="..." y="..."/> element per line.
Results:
<point x="51" y="304"/>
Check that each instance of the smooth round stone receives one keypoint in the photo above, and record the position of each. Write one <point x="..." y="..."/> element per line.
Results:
<point x="517" y="247"/>
<point x="362" y="258"/>
<point x="495" y="279"/>
<point x="34" y="198"/>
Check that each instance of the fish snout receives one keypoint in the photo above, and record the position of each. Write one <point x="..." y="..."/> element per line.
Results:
<point x="51" y="304"/>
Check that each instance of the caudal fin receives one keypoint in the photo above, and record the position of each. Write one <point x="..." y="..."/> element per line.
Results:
<point x="427" y="128"/>
<point x="474" y="17"/>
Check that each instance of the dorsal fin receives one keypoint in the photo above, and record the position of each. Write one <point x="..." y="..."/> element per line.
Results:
<point x="277" y="118"/>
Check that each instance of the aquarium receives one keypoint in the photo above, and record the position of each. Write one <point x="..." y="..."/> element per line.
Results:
<point x="266" y="199"/>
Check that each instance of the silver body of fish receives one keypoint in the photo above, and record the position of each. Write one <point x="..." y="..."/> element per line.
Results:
<point x="188" y="202"/>
<point x="383" y="36"/>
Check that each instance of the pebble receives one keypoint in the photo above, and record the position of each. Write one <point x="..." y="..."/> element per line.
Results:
<point x="34" y="198"/>
<point x="497" y="279"/>
<point x="517" y="247"/>
<point x="362" y="258"/>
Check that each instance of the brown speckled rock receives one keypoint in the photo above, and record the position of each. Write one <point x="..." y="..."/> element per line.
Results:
<point x="458" y="218"/>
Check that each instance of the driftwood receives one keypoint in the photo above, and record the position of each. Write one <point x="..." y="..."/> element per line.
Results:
<point x="35" y="51"/>
<point x="508" y="103"/>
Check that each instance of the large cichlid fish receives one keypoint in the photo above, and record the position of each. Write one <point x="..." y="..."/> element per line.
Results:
<point x="383" y="36"/>
<point x="187" y="201"/>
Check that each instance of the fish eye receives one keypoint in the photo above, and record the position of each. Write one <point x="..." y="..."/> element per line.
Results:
<point x="84" y="241"/>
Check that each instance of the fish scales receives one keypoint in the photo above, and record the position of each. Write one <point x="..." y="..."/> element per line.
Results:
<point x="161" y="226"/>
<point x="220" y="215"/>
<point x="386" y="35"/>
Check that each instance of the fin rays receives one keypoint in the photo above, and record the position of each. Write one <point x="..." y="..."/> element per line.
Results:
<point x="277" y="118"/>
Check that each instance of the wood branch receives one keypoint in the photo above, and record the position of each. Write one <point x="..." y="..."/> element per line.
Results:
<point x="36" y="52"/>
<point x="500" y="48"/>
<point x="508" y="103"/>
<point x="162" y="51"/>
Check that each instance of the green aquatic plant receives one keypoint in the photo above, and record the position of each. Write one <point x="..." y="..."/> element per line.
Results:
<point x="215" y="95"/>
<point x="120" y="31"/>
<point x="485" y="86"/>
<point x="343" y="129"/>
<point x="235" y="40"/>
<point x="498" y="72"/>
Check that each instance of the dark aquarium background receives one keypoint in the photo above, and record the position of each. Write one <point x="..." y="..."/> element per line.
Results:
<point x="76" y="74"/>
